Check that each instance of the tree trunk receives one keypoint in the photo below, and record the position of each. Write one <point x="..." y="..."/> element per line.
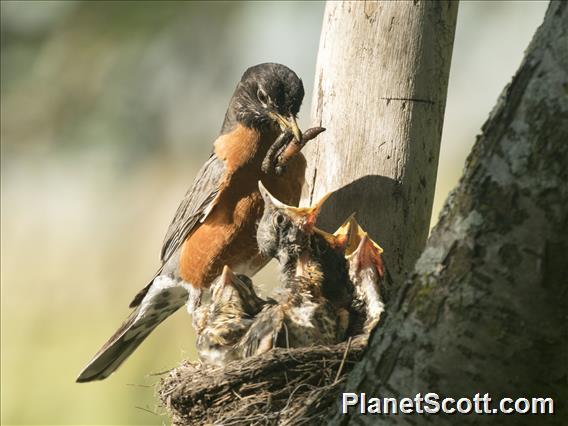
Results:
<point x="486" y="307"/>
<point x="381" y="81"/>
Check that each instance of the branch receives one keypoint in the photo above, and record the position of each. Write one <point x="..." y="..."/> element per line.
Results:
<point x="377" y="60"/>
<point x="485" y="310"/>
<point x="381" y="81"/>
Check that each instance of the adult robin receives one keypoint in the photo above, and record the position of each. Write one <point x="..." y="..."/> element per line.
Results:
<point x="222" y="323"/>
<point x="215" y="224"/>
<point x="313" y="308"/>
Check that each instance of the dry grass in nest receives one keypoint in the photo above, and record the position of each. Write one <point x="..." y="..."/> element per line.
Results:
<point x="284" y="386"/>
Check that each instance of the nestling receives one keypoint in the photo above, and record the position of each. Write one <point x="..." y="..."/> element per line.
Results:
<point x="220" y="324"/>
<point x="313" y="306"/>
<point x="368" y="275"/>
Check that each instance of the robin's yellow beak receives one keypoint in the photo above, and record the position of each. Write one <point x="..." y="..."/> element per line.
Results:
<point x="287" y="123"/>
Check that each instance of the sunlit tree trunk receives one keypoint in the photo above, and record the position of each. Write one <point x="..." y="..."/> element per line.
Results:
<point x="380" y="90"/>
<point x="486" y="307"/>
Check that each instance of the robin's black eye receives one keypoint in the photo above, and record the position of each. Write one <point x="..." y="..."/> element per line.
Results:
<point x="279" y="219"/>
<point x="262" y="97"/>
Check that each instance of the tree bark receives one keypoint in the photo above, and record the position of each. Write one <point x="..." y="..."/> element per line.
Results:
<point x="381" y="82"/>
<point x="486" y="307"/>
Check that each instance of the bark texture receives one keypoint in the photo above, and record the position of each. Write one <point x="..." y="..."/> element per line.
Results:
<point x="381" y="81"/>
<point x="486" y="307"/>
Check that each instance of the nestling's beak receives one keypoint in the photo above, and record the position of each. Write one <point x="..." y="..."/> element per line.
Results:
<point x="302" y="216"/>
<point x="340" y="238"/>
<point x="288" y="123"/>
<point x="306" y="217"/>
<point x="227" y="276"/>
<point x="368" y="253"/>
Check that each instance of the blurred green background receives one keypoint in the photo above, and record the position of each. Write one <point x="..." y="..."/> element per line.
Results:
<point x="107" y="110"/>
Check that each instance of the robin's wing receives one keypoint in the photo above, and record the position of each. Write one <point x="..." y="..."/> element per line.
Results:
<point x="196" y="205"/>
<point x="163" y="299"/>
<point x="193" y="209"/>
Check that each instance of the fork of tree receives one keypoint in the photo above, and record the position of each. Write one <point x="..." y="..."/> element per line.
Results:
<point x="481" y="304"/>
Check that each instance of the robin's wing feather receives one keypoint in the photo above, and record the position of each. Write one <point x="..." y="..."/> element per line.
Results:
<point x="164" y="298"/>
<point x="193" y="209"/>
<point x="196" y="205"/>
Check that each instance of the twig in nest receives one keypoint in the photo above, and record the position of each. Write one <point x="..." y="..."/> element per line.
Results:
<point x="284" y="386"/>
<point x="338" y="375"/>
<point x="147" y="410"/>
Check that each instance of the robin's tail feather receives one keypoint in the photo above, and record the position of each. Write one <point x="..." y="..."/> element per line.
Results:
<point x="162" y="299"/>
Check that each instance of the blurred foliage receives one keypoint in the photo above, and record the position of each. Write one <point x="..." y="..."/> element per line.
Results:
<point x="107" y="110"/>
<point x="110" y="75"/>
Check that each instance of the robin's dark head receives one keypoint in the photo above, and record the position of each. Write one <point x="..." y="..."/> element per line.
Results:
<point x="268" y="95"/>
<point x="283" y="230"/>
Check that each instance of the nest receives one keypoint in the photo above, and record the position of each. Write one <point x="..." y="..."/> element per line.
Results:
<point x="284" y="386"/>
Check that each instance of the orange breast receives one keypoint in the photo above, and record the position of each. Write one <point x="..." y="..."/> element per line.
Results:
<point x="228" y="235"/>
